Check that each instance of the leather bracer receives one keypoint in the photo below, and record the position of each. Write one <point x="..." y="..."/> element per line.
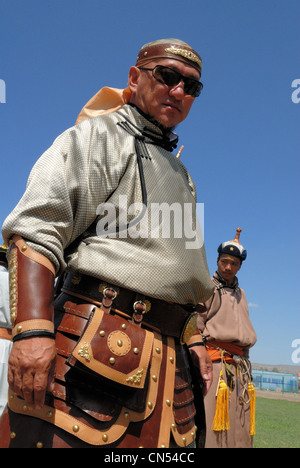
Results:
<point x="195" y="340"/>
<point x="31" y="282"/>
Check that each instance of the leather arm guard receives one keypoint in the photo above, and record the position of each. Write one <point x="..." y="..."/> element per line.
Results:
<point x="31" y="283"/>
<point x="195" y="340"/>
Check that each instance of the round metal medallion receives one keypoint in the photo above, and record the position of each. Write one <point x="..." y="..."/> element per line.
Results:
<point x="119" y="343"/>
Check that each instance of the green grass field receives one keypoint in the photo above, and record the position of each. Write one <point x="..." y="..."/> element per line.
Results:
<point x="277" y="424"/>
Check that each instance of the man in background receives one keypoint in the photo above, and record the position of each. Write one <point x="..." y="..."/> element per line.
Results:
<point x="228" y="335"/>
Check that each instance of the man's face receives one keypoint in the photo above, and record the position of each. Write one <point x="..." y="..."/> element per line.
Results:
<point x="228" y="267"/>
<point x="168" y="105"/>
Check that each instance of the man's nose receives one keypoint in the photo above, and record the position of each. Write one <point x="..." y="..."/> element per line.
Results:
<point x="178" y="90"/>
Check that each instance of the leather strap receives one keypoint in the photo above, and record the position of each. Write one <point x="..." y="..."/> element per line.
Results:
<point x="31" y="325"/>
<point x="169" y="318"/>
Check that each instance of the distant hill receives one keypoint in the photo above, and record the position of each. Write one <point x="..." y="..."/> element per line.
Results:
<point x="286" y="369"/>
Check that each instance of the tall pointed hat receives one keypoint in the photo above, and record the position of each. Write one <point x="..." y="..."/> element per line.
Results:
<point x="234" y="247"/>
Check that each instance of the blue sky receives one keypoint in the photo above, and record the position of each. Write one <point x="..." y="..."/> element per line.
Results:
<point x="241" y="139"/>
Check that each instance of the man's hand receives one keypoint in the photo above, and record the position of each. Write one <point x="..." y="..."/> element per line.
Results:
<point x="202" y="360"/>
<point x="31" y="369"/>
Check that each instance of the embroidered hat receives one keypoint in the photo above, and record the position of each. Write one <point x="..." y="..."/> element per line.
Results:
<point x="108" y="99"/>
<point x="233" y="247"/>
<point x="169" y="48"/>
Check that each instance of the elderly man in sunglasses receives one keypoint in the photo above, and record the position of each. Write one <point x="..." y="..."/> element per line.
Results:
<point x="103" y="359"/>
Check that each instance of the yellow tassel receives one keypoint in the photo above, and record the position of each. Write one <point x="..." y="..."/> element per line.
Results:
<point x="252" y="398"/>
<point x="221" y="419"/>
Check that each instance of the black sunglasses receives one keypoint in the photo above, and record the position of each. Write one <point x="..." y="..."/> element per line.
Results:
<point x="171" y="77"/>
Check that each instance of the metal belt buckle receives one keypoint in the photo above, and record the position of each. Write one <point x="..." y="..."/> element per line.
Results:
<point x="189" y="328"/>
<point x="109" y="295"/>
<point x="140" y="309"/>
<point x="112" y="296"/>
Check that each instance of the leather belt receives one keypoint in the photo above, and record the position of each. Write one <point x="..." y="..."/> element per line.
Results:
<point x="171" y="319"/>
<point x="5" y="334"/>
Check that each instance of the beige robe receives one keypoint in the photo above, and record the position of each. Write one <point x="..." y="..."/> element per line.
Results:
<point x="225" y="317"/>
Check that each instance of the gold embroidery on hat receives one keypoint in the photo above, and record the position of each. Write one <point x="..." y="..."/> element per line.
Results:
<point x="186" y="54"/>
